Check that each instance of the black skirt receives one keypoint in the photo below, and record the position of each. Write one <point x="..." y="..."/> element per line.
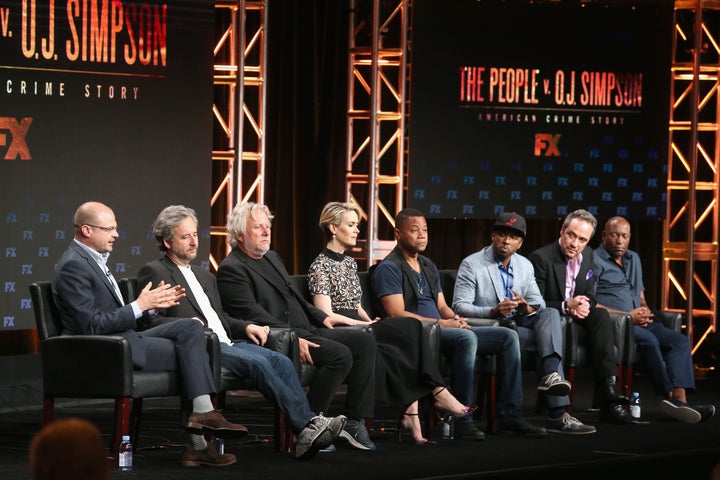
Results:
<point x="406" y="369"/>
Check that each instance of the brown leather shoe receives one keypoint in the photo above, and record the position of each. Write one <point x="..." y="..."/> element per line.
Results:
<point x="213" y="421"/>
<point x="209" y="456"/>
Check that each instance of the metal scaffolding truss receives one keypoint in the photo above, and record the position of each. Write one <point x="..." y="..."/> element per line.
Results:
<point x="690" y="249"/>
<point x="377" y="114"/>
<point x="239" y="112"/>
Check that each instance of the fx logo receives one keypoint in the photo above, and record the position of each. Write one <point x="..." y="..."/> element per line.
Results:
<point x="546" y="145"/>
<point x="17" y="146"/>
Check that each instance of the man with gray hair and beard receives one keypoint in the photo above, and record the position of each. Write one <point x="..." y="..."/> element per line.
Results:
<point x="255" y="285"/>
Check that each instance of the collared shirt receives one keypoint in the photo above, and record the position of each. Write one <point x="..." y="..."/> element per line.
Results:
<point x="101" y="259"/>
<point x="618" y="287"/>
<point x="208" y="311"/>
<point x="571" y="272"/>
<point x="507" y="277"/>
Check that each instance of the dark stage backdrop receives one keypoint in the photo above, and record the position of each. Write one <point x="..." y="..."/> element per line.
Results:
<point x="540" y="108"/>
<point x="106" y="101"/>
<point x="307" y="68"/>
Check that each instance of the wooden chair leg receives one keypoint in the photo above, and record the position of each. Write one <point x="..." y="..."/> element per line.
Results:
<point x="219" y="400"/>
<point x="540" y="402"/>
<point x="628" y="380"/>
<point x="430" y="414"/>
<point x="48" y="410"/>
<point x="284" y="438"/>
<point x="135" y="415"/>
<point x="492" y="404"/>
<point x="571" y="379"/>
<point x="122" y="423"/>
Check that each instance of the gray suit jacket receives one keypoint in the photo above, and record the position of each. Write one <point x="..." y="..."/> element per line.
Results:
<point x="478" y="287"/>
<point x="88" y="303"/>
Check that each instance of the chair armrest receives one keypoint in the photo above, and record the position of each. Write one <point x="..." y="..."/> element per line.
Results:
<point x="87" y="366"/>
<point x="484" y="322"/>
<point x="283" y="340"/>
<point x="672" y="320"/>
<point x="624" y="338"/>
<point x="213" y="350"/>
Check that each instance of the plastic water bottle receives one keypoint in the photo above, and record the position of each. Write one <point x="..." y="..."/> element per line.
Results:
<point x="125" y="454"/>
<point x="447" y="428"/>
<point x="635" y="405"/>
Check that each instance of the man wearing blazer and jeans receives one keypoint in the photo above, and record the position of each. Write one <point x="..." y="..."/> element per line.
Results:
<point x="564" y="274"/>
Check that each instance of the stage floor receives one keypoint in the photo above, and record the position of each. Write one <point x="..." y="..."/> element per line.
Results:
<point x="661" y="449"/>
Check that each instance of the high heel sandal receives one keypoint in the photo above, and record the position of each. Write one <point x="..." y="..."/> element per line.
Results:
<point x="450" y="415"/>
<point x="402" y="425"/>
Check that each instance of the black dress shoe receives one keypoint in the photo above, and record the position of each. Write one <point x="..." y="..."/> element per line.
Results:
<point x="468" y="431"/>
<point x="609" y="392"/>
<point x="614" y="413"/>
<point x="520" y="426"/>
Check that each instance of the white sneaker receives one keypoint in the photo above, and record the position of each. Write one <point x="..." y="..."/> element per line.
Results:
<point x="680" y="411"/>
<point x="312" y="439"/>
<point x="553" y="384"/>
<point x="568" y="424"/>
<point x="336" y="424"/>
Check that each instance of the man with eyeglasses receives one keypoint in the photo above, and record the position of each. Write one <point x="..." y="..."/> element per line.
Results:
<point x="90" y="303"/>
<point x="407" y="284"/>
<point x="498" y="282"/>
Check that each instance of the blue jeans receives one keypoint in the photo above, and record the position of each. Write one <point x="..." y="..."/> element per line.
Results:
<point x="666" y="354"/>
<point x="505" y="343"/>
<point x="459" y="346"/>
<point x="273" y="374"/>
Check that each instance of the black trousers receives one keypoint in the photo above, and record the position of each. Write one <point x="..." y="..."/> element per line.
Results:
<point x="345" y="354"/>
<point x="601" y="335"/>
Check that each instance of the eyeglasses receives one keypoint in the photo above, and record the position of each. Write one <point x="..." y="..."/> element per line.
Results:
<point x="105" y="229"/>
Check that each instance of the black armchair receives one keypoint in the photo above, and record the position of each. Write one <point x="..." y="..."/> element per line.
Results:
<point x="94" y="366"/>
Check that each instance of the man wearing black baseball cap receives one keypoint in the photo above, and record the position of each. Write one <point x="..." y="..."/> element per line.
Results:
<point x="497" y="282"/>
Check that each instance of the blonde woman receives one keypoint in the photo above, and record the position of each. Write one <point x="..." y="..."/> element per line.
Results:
<point x="406" y="369"/>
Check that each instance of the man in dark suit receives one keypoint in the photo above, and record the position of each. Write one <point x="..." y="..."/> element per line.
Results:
<point x="564" y="274"/>
<point x="255" y="285"/>
<point x="273" y="373"/>
<point x="90" y="303"/>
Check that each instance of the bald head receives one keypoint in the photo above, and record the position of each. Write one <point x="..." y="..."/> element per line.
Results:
<point x="89" y="213"/>
<point x="95" y="226"/>
<point x="616" y="236"/>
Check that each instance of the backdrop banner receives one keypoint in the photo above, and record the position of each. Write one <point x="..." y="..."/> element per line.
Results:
<point x="99" y="100"/>
<point x="540" y="108"/>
